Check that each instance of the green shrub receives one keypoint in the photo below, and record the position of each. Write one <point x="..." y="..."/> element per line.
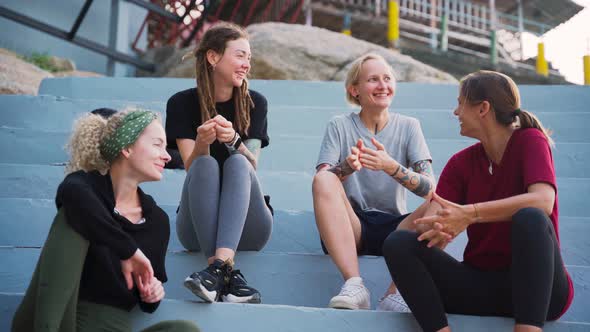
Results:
<point x="41" y="60"/>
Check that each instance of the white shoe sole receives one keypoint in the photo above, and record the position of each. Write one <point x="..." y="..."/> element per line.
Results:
<point x="336" y="304"/>
<point x="246" y="299"/>
<point x="194" y="285"/>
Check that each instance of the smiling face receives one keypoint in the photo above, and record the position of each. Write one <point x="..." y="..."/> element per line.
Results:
<point x="233" y="65"/>
<point x="376" y="85"/>
<point x="468" y="116"/>
<point x="147" y="156"/>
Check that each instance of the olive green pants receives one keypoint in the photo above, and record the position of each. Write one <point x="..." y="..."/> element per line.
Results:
<point x="94" y="317"/>
<point x="51" y="301"/>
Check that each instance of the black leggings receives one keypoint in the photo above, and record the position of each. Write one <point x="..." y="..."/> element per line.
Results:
<point x="533" y="290"/>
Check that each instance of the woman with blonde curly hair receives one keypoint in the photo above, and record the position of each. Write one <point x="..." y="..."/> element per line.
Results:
<point x="106" y="248"/>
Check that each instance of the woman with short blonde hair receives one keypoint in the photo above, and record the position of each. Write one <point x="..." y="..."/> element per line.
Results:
<point x="367" y="163"/>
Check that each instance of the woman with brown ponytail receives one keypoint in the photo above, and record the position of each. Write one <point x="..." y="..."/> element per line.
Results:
<point x="503" y="191"/>
<point x="219" y="128"/>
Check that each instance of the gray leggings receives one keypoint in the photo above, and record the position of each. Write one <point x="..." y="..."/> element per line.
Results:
<point x="232" y="214"/>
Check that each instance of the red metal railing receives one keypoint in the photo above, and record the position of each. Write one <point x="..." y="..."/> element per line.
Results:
<point x="164" y="32"/>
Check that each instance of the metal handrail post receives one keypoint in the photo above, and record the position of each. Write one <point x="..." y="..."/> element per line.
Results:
<point x="79" y="19"/>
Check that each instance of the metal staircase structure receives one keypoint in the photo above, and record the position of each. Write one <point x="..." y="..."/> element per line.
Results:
<point x="483" y="29"/>
<point x="202" y="14"/>
<point x="488" y="31"/>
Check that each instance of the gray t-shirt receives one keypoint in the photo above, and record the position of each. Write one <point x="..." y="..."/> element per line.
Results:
<point x="375" y="190"/>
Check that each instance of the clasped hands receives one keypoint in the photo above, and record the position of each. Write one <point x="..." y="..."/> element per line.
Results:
<point x="361" y="156"/>
<point x="442" y="226"/>
<point x="217" y="128"/>
<point x="138" y="269"/>
<point x="438" y="228"/>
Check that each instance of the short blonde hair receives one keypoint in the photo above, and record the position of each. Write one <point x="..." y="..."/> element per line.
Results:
<point x="352" y="78"/>
<point x="84" y="143"/>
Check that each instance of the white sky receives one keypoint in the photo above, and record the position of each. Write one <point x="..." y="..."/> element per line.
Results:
<point x="566" y="44"/>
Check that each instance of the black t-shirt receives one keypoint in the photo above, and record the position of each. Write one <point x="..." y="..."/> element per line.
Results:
<point x="88" y="202"/>
<point x="183" y="116"/>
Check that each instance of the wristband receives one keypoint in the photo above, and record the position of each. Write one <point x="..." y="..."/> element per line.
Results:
<point x="235" y="143"/>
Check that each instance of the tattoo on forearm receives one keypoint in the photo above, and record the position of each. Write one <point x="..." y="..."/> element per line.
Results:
<point x="424" y="186"/>
<point x="341" y="170"/>
<point x="418" y="181"/>
<point x="397" y="170"/>
<point x="423" y="167"/>
<point x="254" y="146"/>
<point x="252" y="150"/>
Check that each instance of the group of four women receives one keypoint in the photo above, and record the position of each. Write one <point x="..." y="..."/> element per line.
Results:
<point x="105" y="251"/>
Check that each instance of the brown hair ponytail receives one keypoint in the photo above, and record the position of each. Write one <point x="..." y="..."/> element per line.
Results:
<point x="529" y="120"/>
<point x="503" y="95"/>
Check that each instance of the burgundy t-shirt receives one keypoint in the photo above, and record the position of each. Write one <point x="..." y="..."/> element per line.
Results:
<point x="466" y="180"/>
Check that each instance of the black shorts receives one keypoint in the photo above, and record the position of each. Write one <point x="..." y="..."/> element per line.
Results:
<point x="375" y="227"/>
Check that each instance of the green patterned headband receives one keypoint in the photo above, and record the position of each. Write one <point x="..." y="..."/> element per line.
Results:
<point x="131" y="127"/>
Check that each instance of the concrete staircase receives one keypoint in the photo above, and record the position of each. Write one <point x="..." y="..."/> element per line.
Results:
<point x="296" y="280"/>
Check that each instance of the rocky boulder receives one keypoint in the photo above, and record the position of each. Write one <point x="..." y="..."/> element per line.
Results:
<point x="76" y="73"/>
<point x="18" y="76"/>
<point x="171" y="62"/>
<point x="299" y="52"/>
<point x="61" y="64"/>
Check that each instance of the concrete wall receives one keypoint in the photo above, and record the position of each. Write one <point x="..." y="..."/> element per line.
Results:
<point x="62" y="14"/>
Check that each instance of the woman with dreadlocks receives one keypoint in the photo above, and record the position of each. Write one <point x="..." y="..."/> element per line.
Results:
<point x="219" y="128"/>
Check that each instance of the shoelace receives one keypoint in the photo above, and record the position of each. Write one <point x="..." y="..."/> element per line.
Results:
<point x="351" y="289"/>
<point x="398" y="301"/>
<point x="396" y="297"/>
<point x="239" y="277"/>
<point x="212" y="270"/>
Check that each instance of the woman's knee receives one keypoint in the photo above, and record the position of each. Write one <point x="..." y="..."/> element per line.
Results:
<point x="203" y="165"/>
<point x="528" y="220"/>
<point x="205" y="161"/>
<point x="400" y="243"/>
<point x="324" y="183"/>
<point x="236" y="163"/>
<point x="175" y="326"/>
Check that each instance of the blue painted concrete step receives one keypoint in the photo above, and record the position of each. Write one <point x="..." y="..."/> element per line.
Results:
<point x="26" y="222"/>
<point x="290" y="272"/>
<point x="307" y="93"/>
<point x="39" y="181"/>
<point x="292" y="232"/>
<point x="287" y="153"/>
<point x="284" y="279"/>
<point x="220" y="317"/>
<point x="50" y="113"/>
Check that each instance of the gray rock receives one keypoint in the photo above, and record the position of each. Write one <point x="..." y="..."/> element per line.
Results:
<point x="297" y="52"/>
<point x="62" y="64"/>
<point x="18" y="76"/>
<point x="288" y="51"/>
<point x="170" y="62"/>
<point x="77" y="73"/>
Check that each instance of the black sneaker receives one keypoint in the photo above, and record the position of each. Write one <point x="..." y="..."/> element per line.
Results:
<point x="237" y="291"/>
<point x="209" y="283"/>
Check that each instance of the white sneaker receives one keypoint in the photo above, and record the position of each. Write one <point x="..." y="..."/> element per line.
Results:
<point x="353" y="295"/>
<point x="393" y="302"/>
